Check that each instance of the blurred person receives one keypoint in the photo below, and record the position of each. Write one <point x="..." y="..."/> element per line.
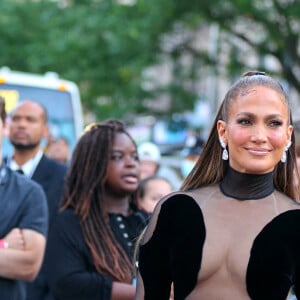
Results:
<point x="150" y="191"/>
<point x="27" y="128"/>
<point x="58" y="149"/>
<point x="191" y="152"/>
<point x="91" y="244"/>
<point x="23" y="229"/>
<point x="151" y="164"/>
<point x="241" y="239"/>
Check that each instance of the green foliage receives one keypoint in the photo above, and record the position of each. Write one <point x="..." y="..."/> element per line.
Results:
<point x="105" y="46"/>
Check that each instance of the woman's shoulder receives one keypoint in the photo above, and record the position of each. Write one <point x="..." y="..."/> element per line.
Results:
<point x="183" y="203"/>
<point x="66" y="218"/>
<point x="66" y="226"/>
<point x="189" y="196"/>
<point x="176" y="214"/>
<point x="285" y="203"/>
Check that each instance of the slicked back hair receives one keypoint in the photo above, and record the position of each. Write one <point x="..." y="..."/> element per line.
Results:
<point x="210" y="168"/>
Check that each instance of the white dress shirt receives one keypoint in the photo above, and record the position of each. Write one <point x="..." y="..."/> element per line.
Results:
<point x="29" y="167"/>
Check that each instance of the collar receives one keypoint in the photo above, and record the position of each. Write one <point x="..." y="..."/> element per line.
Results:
<point x="29" y="167"/>
<point x="244" y="186"/>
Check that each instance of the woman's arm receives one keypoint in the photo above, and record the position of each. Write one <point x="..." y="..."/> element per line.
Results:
<point x="153" y="259"/>
<point x="171" y="250"/>
<point x="122" y="291"/>
<point x="139" y="288"/>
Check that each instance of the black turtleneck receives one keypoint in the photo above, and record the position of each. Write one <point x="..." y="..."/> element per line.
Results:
<point x="244" y="186"/>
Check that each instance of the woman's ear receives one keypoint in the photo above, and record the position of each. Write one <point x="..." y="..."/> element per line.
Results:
<point x="290" y="132"/>
<point x="222" y="130"/>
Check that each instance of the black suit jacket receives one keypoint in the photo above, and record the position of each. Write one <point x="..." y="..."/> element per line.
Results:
<point x="50" y="174"/>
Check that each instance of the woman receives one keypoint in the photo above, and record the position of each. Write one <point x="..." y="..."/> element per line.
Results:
<point x="233" y="232"/>
<point x="91" y="242"/>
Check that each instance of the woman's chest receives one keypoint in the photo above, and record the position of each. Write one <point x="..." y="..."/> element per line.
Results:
<point x="230" y="232"/>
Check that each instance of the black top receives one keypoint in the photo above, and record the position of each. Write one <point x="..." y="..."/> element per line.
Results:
<point x="70" y="269"/>
<point x="173" y="254"/>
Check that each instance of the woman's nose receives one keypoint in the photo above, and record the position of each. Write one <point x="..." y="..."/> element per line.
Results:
<point x="258" y="134"/>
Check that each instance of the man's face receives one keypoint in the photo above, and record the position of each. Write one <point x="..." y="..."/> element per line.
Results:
<point x="27" y="126"/>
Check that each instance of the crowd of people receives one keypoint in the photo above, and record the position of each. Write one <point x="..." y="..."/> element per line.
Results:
<point x="110" y="221"/>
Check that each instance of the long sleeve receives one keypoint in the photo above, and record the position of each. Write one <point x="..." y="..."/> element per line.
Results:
<point x="69" y="266"/>
<point x="172" y="249"/>
<point x="274" y="265"/>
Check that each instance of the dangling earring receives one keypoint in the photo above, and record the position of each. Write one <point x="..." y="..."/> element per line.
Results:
<point x="283" y="158"/>
<point x="225" y="152"/>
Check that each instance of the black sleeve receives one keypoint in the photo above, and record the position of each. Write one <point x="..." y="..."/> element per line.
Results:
<point x="274" y="264"/>
<point x="174" y="251"/>
<point x="69" y="266"/>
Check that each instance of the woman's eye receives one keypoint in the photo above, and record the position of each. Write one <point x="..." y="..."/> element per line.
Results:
<point x="275" y="123"/>
<point x="244" y="122"/>
<point x="116" y="157"/>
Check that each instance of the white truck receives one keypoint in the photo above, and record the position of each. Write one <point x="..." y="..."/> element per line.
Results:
<point x="60" y="97"/>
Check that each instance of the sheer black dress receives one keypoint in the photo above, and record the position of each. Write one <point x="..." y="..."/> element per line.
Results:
<point x="172" y="253"/>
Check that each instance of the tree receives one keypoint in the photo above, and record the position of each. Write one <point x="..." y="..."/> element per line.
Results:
<point x="106" y="47"/>
<point x="268" y="28"/>
<point x="101" y="45"/>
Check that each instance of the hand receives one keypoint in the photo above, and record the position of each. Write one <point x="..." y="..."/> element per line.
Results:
<point x="15" y="239"/>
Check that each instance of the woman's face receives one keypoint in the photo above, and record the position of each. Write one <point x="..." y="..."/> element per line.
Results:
<point x="123" y="169"/>
<point x="257" y="130"/>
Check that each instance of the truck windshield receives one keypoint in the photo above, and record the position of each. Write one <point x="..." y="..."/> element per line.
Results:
<point x="59" y="105"/>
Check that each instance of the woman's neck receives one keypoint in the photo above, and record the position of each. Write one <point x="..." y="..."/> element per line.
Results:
<point x="117" y="205"/>
<point x="243" y="186"/>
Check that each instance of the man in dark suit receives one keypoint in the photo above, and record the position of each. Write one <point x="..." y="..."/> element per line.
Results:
<point x="28" y="126"/>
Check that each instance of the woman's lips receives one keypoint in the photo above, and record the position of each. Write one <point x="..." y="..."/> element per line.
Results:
<point x="258" y="151"/>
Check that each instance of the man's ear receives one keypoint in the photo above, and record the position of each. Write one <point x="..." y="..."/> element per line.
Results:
<point x="46" y="132"/>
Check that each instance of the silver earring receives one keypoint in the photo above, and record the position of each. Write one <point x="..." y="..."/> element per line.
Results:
<point x="225" y="152"/>
<point x="283" y="158"/>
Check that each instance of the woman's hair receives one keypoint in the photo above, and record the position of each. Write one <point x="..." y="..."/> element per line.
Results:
<point x="210" y="168"/>
<point x="85" y="192"/>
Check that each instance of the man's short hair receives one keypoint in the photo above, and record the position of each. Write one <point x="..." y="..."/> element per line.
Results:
<point x="2" y="110"/>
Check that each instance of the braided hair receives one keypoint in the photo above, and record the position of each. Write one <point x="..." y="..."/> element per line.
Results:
<point x="84" y="192"/>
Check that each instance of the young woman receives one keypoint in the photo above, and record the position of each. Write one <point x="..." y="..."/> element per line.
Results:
<point x="91" y="242"/>
<point x="233" y="232"/>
